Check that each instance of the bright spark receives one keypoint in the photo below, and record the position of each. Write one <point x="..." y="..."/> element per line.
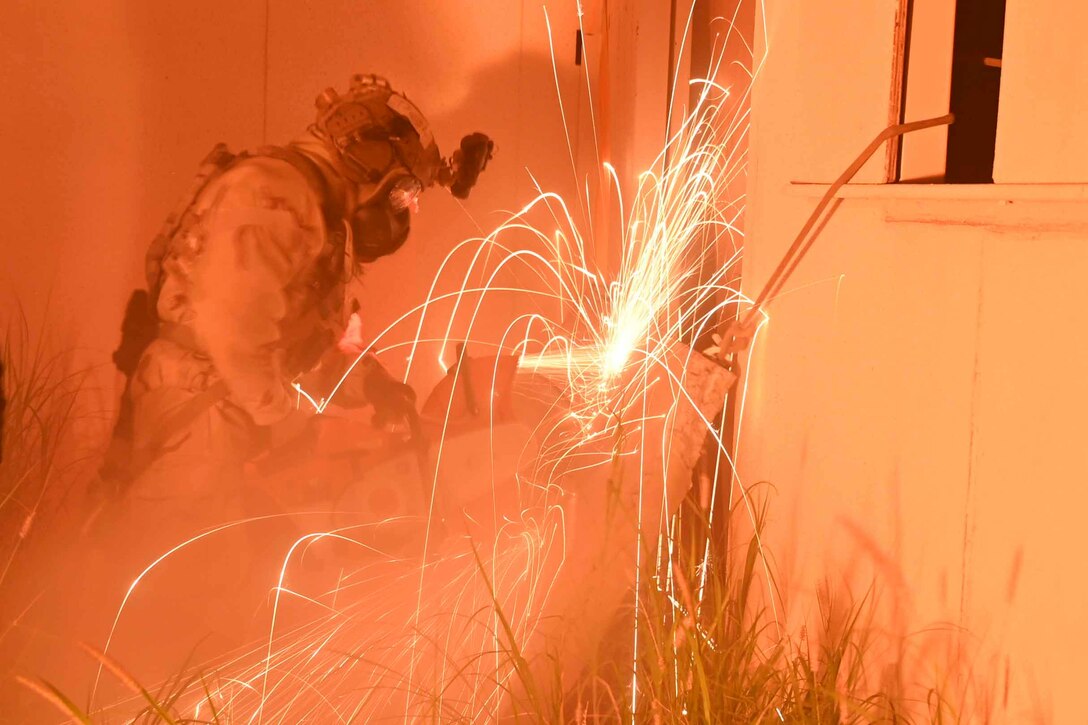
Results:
<point x="440" y="636"/>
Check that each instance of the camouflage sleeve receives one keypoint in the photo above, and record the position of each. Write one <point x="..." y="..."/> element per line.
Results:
<point x="262" y="230"/>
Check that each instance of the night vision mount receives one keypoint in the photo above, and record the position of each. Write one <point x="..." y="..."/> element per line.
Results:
<point x="461" y="171"/>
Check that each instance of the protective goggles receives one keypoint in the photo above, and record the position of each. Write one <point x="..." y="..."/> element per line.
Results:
<point x="371" y="153"/>
<point x="404" y="193"/>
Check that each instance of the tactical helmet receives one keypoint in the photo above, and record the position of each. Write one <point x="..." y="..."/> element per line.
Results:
<point x="380" y="137"/>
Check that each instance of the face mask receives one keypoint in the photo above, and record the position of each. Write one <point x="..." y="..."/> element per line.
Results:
<point x="378" y="230"/>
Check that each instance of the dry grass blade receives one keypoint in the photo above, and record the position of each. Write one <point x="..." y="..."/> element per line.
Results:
<point x="126" y="679"/>
<point x="40" y="393"/>
<point x="210" y="700"/>
<point x="55" y="697"/>
<point x="521" y="666"/>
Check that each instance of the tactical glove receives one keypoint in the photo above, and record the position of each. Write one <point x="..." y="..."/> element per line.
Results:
<point x="393" y="401"/>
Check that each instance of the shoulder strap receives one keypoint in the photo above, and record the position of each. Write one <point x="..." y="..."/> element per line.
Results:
<point x="218" y="160"/>
<point x="330" y="269"/>
<point x="332" y="201"/>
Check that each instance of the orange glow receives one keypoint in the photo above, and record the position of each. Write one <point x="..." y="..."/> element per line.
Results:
<point x="903" y="445"/>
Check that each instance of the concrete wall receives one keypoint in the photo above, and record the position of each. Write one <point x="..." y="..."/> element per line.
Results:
<point x="917" y="395"/>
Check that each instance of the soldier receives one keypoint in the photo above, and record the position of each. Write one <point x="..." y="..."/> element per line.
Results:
<point x="247" y="283"/>
<point x="246" y="299"/>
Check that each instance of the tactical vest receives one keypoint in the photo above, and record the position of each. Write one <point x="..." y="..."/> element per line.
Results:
<point x="140" y="325"/>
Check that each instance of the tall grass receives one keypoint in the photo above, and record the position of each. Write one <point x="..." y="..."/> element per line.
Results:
<point x="709" y="650"/>
<point x="714" y="654"/>
<point x="147" y="707"/>
<point x="42" y="393"/>
<point x="720" y="661"/>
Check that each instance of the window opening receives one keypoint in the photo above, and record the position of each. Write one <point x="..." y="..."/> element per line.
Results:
<point x="976" y="83"/>
<point x="950" y="61"/>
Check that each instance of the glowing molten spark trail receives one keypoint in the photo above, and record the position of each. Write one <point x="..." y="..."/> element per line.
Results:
<point x="443" y="634"/>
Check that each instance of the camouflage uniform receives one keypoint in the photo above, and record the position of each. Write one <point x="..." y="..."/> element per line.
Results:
<point x="249" y="299"/>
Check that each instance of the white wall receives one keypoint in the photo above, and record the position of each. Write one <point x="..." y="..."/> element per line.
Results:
<point x="109" y="107"/>
<point x="916" y="397"/>
<point x="1044" y="94"/>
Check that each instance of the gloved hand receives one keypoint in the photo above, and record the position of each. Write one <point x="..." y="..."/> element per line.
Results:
<point x="393" y="401"/>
